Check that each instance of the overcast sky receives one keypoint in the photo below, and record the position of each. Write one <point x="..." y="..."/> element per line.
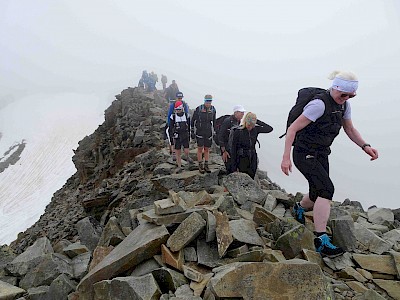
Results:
<point x="255" y="53"/>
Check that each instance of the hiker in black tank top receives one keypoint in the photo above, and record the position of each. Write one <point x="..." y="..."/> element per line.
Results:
<point x="312" y="134"/>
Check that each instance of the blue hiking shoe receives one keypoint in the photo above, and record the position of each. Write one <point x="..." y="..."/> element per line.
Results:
<point x="324" y="247"/>
<point x="298" y="213"/>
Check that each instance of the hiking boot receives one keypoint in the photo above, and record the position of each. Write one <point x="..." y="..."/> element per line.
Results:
<point x="206" y="168"/>
<point x="173" y="156"/>
<point x="298" y="213"/>
<point x="189" y="160"/>
<point x="201" y="168"/>
<point x="178" y="170"/>
<point x="324" y="247"/>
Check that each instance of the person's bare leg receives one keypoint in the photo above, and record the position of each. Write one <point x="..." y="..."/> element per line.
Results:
<point x="206" y="153"/>
<point x="199" y="154"/>
<point x="178" y="157"/>
<point x="186" y="151"/>
<point x="322" y="209"/>
<point x="306" y="202"/>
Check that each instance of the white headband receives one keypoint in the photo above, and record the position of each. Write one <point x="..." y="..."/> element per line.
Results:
<point x="344" y="85"/>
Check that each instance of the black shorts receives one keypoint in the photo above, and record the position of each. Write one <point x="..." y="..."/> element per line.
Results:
<point x="315" y="168"/>
<point x="204" y="141"/>
<point x="181" y="141"/>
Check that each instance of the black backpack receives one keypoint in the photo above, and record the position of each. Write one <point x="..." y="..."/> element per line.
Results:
<point x="230" y="139"/>
<point x="304" y="96"/>
<point x="218" y="124"/>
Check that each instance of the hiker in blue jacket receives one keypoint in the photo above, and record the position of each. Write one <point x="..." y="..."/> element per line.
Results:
<point x="312" y="134"/>
<point x="171" y="108"/>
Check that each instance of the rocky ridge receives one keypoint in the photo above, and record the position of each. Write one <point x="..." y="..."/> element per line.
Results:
<point x="125" y="227"/>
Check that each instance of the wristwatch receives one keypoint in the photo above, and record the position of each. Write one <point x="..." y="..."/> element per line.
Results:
<point x="365" y="145"/>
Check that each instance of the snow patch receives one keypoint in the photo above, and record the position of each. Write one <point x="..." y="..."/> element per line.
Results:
<point x="52" y="125"/>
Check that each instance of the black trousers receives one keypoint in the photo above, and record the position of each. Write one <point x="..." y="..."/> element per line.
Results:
<point x="248" y="164"/>
<point x="314" y="165"/>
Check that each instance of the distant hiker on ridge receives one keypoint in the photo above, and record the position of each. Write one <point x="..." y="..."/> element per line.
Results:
<point x="203" y="126"/>
<point x="144" y="80"/>
<point x="312" y="134"/>
<point x="171" y="91"/>
<point x="164" y="81"/>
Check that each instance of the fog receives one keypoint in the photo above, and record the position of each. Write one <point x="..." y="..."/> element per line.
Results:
<point x="255" y="53"/>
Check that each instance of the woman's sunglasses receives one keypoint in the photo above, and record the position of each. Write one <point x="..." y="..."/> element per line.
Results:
<point x="347" y="95"/>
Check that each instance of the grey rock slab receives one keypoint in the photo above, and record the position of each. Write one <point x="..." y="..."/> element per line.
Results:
<point x="177" y="218"/>
<point x="88" y="233"/>
<point x="223" y="232"/>
<point x="339" y="263"/>
<point x="392" y="287"/>
<point x="243" y="188"/>
<point x="190" y="254"/>
<point x="141" y="244"/>
<point x="80" y="265"/>
<point x="370" y="240"/>
<point x="47" y="270"/>
<point x="145" y="267"/>
<point x="270" y="202"/>
<point x="168" y="279"/>
<point x="140" y="288"/>
<point x="38" y="293"/>
<point x="380" y="216"/>
<point x="75" y="249"/>
<point x="244" y="231"/>
<point x="112" y="234"/>
<point x="377" y="263"/>
<point x="167" y="206"/>
<point x="9" y="292"/>
<point x="293" y="241"/>
<point x="186" y="181"/>
<point x="211" y="227"/>
<point x="61" y="287"/>
<point x="207" y="253"/>
<point x="293" y="279"/>
<point x="30" y="258"/>
<point x="186" y="232"/>
<point x="343" y="233"/>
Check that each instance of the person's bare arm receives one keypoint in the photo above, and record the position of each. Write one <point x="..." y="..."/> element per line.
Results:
<point x="356" y="137"/>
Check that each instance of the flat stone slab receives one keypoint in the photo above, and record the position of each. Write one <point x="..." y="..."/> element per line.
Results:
<point x="186" y="232"/>
<point x="141" y="244"/>
<point x="8" y="291"/>
<point x="293" y="279"/>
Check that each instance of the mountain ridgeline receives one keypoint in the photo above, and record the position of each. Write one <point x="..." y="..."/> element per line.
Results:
<point x="124" y="226"/>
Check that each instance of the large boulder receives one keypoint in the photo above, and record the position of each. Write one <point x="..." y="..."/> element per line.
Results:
<point x="141" y="244"/>
<point x="9" y="292"/>
<point x="244" y="189"/>
<point x="293" y="279"/>
<point x="30" y="258"/>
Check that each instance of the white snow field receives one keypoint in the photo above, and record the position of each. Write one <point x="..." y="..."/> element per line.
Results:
<point x="51" y="126"/>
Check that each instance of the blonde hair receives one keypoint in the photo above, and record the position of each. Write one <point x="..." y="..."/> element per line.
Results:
<point x="247" y="119"/>
<point x="342" y="74"/>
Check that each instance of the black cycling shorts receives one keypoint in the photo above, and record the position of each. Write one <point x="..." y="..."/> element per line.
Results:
<point x="314" y="166"/>
<point x="204" y="141"/>
<point x="179" y="142"/>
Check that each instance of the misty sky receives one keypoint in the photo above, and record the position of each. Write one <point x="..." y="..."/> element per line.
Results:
<point x="255" y="53"/>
